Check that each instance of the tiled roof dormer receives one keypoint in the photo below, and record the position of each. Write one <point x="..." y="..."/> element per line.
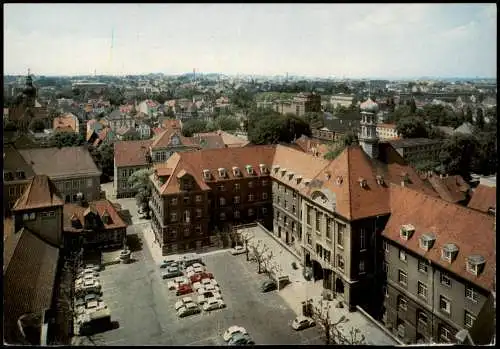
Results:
<point x="290" y="175"/>
<point x="276" y="168"/>
<point x="406" y="231"/>
<point x="362" y="182"/>
<point x="249" y="169"/>
<point x="283" y="171"/>
<point x="236" y="171"/>
<point x="427" y="241"/>
<point x="298" y="178"/>
<point x="380" y="180"/>
<point x="207" y="175"/>
<point x="263" y="169"/>
<point x="222" y="172"/>
<point x="475" y="264"/>
<point x="449" y="252"/>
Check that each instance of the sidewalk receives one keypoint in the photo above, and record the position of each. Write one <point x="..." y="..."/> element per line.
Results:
<point x="154" y="248"/>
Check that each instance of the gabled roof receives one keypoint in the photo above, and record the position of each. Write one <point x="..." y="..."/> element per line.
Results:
<point x="232" y="141"/>
<point x="13" y="161"/>
<point x="40" y="192"/>
<point x="342" y="178"/>
<point x="471" y="231"/>
<point x="61" y="162"/>
<point x="131" y="153"/>
<point x="208" y="140"/>
<point x="30" y="266"/>
<point x="465" y="128"/>
<point x="99" y="207"/>
<point x="164" y="140"/>
<point x="193" y="163"/>
<point x="452" y="188"/>
<point x="483" y="198"/>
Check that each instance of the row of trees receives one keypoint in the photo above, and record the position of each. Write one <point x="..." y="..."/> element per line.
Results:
<point x="222" y="122"/>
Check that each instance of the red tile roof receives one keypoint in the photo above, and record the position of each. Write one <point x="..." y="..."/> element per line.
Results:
<point x="313" y="146"/>
<point x="164" y="139"/>
<point x="173" y="124"/>
<point x="99" y="207"/>
<point x="131" y="153"/>
<point x="30" y="266"/>
<point x="353" y="164"/>
<point x="471" y="231"/>
<point x="193" y="163"/>
<point x="40" y="192"/>
<point x="452" y="188"/>
<point x="483" y="198"/>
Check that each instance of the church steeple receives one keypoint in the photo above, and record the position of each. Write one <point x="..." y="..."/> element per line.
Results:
<point x="368" y="138"/>
<point x="29" y="91"/>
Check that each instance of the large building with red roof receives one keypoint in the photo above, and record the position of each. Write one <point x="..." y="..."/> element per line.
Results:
<point x="335" y="214"/>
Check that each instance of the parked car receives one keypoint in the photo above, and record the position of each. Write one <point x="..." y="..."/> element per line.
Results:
<point x="168" y="263"/>
<point x="92" y="297"/>
<point x="267" y="286"/>
<point x="198" y="265"/>
<point x="179" y="280"/>
<point x="190" y="262"/>
<point x="171" y="272"/>
<point x="302" y="322"/>
<point x="188" y="309"/>
<point x="236" y="250"/>
<point x="202" y="298"/>
<point x="93" y="267"/>
<point x="241" y="339"/>
<point x="200" y="276"/>
<point x="213" y="303"/>
<point x="205" y="282"/>
<point x="88" y="272"/>
<point x="184" y="289"/>
<point x="181" y="303"/>
<point x="196" y="286"/>
<point x="208" y="288"/>
<point x="233" y="330"/>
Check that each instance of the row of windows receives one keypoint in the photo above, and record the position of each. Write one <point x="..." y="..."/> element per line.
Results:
<point x="74" y="184"/>
<point x="445" y="280"/>
<point x="237" y="186"/>
<point x="32" y="216"/>
<point x="277" y="199"/>
<point x="186" y="217"/>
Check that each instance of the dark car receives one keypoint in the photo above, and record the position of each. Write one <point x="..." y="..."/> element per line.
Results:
<point x="268" y="286"/>
<point x="171" y="272"/>
<point x="168" y="263"/>
<point x="241" y="339"/>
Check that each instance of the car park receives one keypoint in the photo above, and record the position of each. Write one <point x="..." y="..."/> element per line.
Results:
<point x="188" y="309"/>
<point x="302" y="322"/>
<point x="174" y="284"/>
<point x="233" y="330"/>
<point x="202" y="298"/>
<point x="199" y="270"/>
<point x="236" y="250"/>
<point x="171" y="272"/>
<point x="184" y="289"/>
<point x="267" y="286"/>
<point x="198" y="277"/>
<point x="181" y="303"/>
<point x="213" y="304"/>
<point x="196" y="286"/>
<point x="241" y="339"/>
<point x="212" y="288"/>
<point x="205" y="282"/>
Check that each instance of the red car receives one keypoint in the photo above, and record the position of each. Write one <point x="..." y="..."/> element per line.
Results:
<point x="200" y="276"/>
<point x="184" y="289"/>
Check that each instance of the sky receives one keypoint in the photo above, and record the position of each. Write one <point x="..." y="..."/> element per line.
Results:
<point x="322" y="40"/>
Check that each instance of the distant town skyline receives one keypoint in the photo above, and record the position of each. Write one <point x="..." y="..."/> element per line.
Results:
<point x="316" y="40"/>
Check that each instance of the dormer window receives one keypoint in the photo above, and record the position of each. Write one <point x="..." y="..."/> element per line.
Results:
<point x="290" y="175"/>
<point x="263" y="168"/>
<point x="206" y="174"/>
<point x="339" y="180"/>
<point x="222" y="172"/>
<point x="380" y="180"/>
<point x="20" y="175"/>
<point x="449" y="252"/>
<point x="427" y="241"/>
<point x="475" y="264"/>
<point x="492" y="211"/>
<point x="283" y="171"/>
<point x="236" y="172"/>
<point x="298" y="178"/>
<point x="7" y="176"/>
<point x="307" y="181"/>
<point x="249" y="169"/>
<point x="406" y="231"/>
<point x="276" y="168"/>
<point x="362" y="182"/>
<point x="405" y="178"/>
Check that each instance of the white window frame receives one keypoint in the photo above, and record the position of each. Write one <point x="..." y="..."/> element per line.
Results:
<point x="468" y="319"/>
<point x="250" y="197"/>
<point x="237" y="214"/>
<point x="250" y="184"/>
<point x="222" y="216"/>
<point x="385" y="246"/>
<point x="198" y="198"/>
<point x="173" y="217"/>
<point x="90" y="182"/>
<point x="222" y="201"/>
<point x="402" y="303"/>
<point x="442" y="277"/>
<point x="422" y="287"/>
<point x="471" y="267"/>
<point x="446" y="255"/>
<point x="264" y="196"/>
<point x="250" y="212"/>
<point x="446" y="310"/>
<point x="402" y="256"/>
<point x="199" y="213"/>
<point x="400" y="274"/>
<point x="173" y="201"/>
<point x="340" y="262"/>
<point x="423" y="267"/>
<point x="444" y="333"/>
<point x="471" y="294"/>
<point x="361" y="266"/>
<point x="236" y="186"/>
<point x="236" y="199"/>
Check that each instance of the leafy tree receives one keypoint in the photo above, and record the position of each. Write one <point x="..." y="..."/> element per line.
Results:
<point x="403" y="111"/>
<point x="412" y="127"/>
<point x="227" y="123"/>
<point x="480" y="119"/>
<point x="485" y="159"/>
<point x="315" y="119"/>
<point x="259" y="252"/>
<point x="193" y="126"/>
<point x="66" y="139"/>
<point x="336" y="148"/>
<point x="140" y="182"/>
<point x="458" y="154"/>
<point x="468" y="115"/>
<point x="243" y="100"/>
<point x="332" y="331"/>
<point x="267" y="130"/>
<point x="413" y="106"/>
<point x="37" y="125"/>
<point x="104" y="158"/>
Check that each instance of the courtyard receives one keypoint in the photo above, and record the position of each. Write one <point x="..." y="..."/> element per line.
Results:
<point x="143" y="309"/>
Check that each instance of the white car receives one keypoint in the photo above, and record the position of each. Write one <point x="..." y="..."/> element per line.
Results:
<point x="174" y="284"/>
<point x="87" y="272"/>
<point x="92" y="267"/>
<point x="196" y="286"/>
<point x="188" y="309"/>
<point x="238" y="250"/>
<point x="181" y="303"/>
<point x="202" y="298"/>
<point x="212" y="288"/>
<point x="213" y="303"/>
<point x="199" y="269"/>
<point x="190" y="269"/>
<point x="302" y="322"/>
<point x="231" y="331"/>
<point x="198" y="265"/>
